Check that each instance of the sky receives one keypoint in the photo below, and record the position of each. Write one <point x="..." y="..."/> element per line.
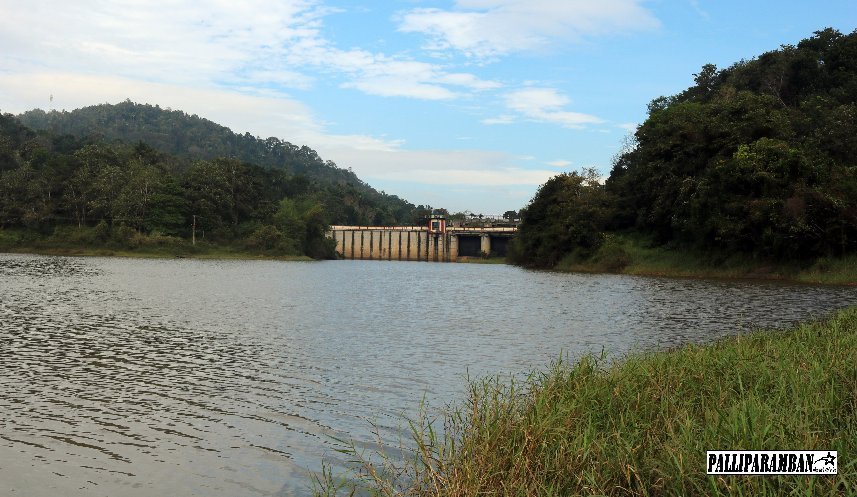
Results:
<point x="468" y="105"/>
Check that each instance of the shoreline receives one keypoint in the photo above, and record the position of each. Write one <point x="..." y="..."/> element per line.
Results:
<point x="639" y="426"/>
<point x="632" y="256"/>
<point x="827" y="279"/>
<point x="842" y="273"/>
<point x="620" y="254"/>
<point x="208" y="254"/>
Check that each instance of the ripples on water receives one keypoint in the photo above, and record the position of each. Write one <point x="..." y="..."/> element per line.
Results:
<point x="183" y="377"/>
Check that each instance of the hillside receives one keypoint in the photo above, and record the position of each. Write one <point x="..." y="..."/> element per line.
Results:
<point x="191" y="138"/>
<point x="757" y="160"/>
<point x="65" y="194"/>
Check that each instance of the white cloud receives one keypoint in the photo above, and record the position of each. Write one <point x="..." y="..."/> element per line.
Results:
<point x="379" y="74"/>
<point x="231" y="62"/>
<point x="490" y="28"/>
<point x="163" y="41"/>
<point x="699" y="10"/>
<point x="547" y="105"/>
<point x="377" y="160"/>
<point x="563" y="164"/>
<point x="380" y="162"/>
<point x="468" y="80"/>
<point x="630" y="127"/>
<point x="540" y="98"/>
<point x="260" y="115"/>
<point x="505" y="177"/>
<point x="248" y="44"/>
<point x="500" y="177"/>
<point x="395" y="78"/>
<point x="371" y="157"/>
<point x="502" y="119"/>
<point x="494" y="181"/>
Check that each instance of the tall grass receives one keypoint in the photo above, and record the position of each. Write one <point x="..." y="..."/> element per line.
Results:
<point x="639" y="427"/>
<point x="832" y="271"/>
<point x="634" y="255"/>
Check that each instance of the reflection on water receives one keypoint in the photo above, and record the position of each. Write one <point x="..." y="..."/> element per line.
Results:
<point x="183" y="377"/>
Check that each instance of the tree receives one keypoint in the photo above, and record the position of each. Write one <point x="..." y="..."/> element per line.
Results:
<point x="566" y="216"/>
<point x="189" y="138"/>
<point x="510" y="215"/>
<point x="94" y="187"/>
<point x="757" y="158"/>
<point x="303" y="228"/>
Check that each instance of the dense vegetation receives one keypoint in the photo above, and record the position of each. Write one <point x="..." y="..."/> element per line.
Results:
<point x="190" y="137"/>
<point x="87" y="191"/>
<point x="639" y="427"/>
<point x="758" y="159"/>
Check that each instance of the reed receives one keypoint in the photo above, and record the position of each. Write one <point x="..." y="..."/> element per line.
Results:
<point x="637" y="427"/>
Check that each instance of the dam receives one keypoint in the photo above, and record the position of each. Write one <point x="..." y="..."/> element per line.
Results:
<point x="436" y="241"/>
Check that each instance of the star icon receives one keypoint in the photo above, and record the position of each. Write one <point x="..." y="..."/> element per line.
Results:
<point x="828" y="459"/>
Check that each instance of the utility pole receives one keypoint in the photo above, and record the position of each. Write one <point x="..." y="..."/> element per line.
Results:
<point x="193" y="231"/>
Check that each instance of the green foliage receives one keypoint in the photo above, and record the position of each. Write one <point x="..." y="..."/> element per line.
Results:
<point x="125" y="235"/>
<point x="567" y="214"/>
<point x="182" y="174"/>
<point x="267" y="238"/>
<point x="612" y="256"/>
<point x="101" y="232"/>
<point x="80" y="236"/>
<point x="758" y="159"/>
<point x="181" y="140"/>
<point x="166" y="209"/>
<point x="302" y="223"/>
<point x="122" y="197"/>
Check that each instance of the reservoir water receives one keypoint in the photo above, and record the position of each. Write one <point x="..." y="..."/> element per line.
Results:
<point x="231" y="378"/>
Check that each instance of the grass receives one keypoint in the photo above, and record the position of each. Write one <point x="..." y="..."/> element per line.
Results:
<point x="638" y="427"/>
<point x="831" y="271"/>
<point x="631" y="255"/>
<point x="482" y="260"/>
<point x="84" y="242"/>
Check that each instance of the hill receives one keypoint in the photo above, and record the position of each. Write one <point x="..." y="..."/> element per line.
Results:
<point x="190" y="137"/>
<point x="87" y="183"/>
<point x="757" y="160"/>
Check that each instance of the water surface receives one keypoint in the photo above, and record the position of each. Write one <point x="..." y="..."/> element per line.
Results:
<point x="229" y="378"/>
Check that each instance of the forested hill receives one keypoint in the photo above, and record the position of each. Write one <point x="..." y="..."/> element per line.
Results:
<point x="759" y="158"/>
<point x="194" y="138"/>
<point x="59" y="191"/>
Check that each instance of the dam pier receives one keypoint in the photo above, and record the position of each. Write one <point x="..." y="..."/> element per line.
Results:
<point x="434" y="242"/>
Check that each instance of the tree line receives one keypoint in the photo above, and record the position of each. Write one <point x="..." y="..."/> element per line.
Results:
<point x="190" y="138"/>
<point x="115" y="191"/>
<point x="759" y="158"/>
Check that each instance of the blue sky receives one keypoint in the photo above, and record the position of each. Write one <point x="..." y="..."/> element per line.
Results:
<point x="463" y="104"/>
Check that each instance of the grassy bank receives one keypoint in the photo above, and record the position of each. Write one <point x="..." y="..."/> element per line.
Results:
<point x="87" y="242"/>
<point x="482" y="260"/>
<point x="631" y="255"/>
<point x="642" y="426"/>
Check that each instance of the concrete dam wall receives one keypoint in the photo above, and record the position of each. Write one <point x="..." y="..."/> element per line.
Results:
<point x="419" y="243"/>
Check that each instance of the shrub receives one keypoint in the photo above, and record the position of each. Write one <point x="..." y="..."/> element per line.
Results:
<point x="612" y="256"/>
<point x="101" y="231"/>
